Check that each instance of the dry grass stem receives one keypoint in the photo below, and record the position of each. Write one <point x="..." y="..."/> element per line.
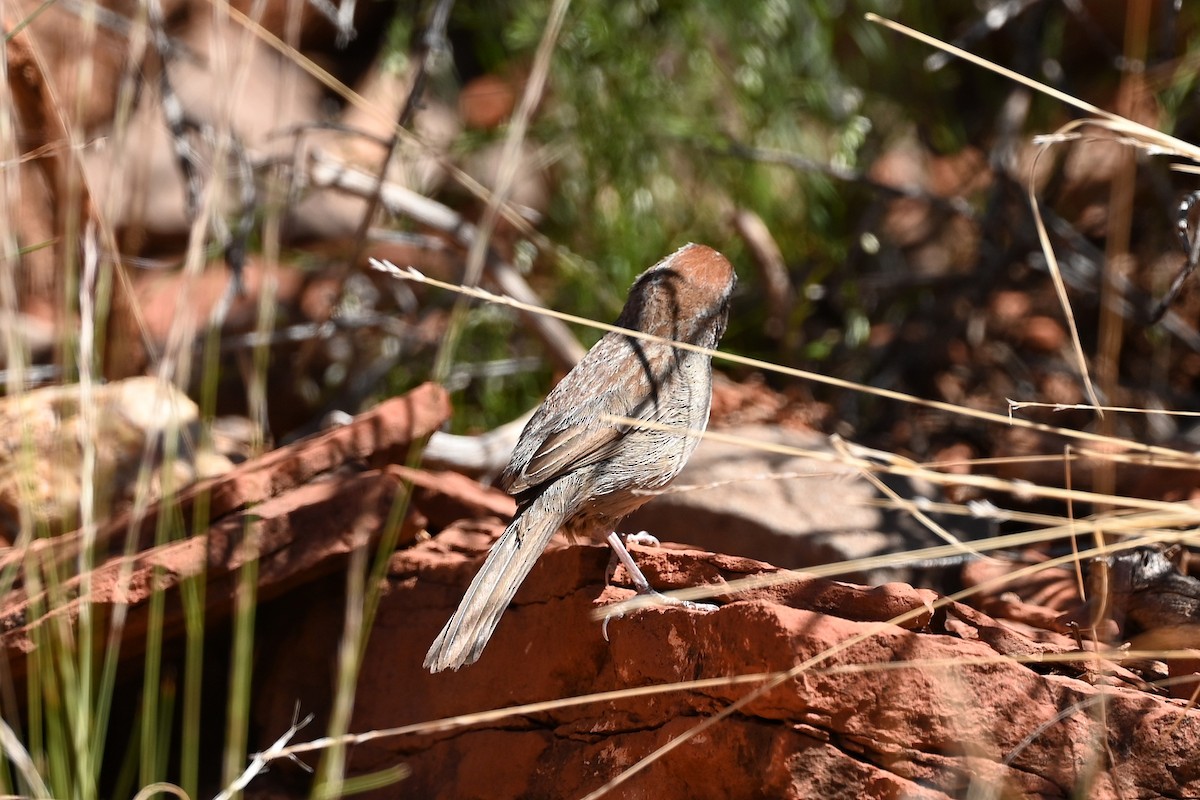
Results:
<point x="412" y="274"/>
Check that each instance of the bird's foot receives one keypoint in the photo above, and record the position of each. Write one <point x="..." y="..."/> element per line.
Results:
<point x="644" y="538"/>
<point x="640" y="584"/>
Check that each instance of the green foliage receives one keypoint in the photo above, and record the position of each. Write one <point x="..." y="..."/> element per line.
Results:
<point x="646" y="95"/>
<point x="644" y="100"/>
<point x="484" y="397"/>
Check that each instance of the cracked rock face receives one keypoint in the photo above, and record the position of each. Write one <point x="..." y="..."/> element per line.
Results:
<point x="884" y="691"/>
<point x="937" y="706"/>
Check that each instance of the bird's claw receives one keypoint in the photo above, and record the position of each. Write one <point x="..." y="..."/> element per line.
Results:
<point x="691" y="605"/>
<point x="604" y="625"/>
<point x="666" y="600"/>
<point x="644" y="538"/>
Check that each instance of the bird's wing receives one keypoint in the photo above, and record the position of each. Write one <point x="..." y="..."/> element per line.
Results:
<point x="560" y="442"/>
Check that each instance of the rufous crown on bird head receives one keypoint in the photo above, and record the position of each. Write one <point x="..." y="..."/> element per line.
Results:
<point x="683" y="297"/>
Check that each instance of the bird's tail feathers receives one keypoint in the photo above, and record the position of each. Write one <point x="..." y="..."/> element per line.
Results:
<point x="509" y="561"/>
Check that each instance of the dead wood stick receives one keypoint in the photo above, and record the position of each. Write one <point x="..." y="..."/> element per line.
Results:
<point x="771" y="267"/>
<point x="325" y="171"/>
<point x="481" y="456"/>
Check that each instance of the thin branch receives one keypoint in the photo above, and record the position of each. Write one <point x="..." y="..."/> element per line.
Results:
<point x="1191" y="245"/>
<point x="430" y="45"/>
<point x="772" y="268"/>
<point x="562" y="346"/>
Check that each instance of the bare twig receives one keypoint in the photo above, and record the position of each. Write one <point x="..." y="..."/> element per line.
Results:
<point x="771" y="267"/>
<point x="485" y="454"/>
<point x="1191" y="246"/>
<point x="564" y="349"/>
<point x="431" y="44"/>
<point x="260" y="760"/>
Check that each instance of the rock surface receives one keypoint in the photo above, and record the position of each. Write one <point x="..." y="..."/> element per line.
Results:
<point x="792" y="510"/>
<point x="796" y="687"/>
<point x="938" y="706"/>
<point x="42" y="455"/>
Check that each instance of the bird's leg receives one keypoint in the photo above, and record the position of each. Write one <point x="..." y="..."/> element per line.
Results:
<point x="622" y="553"/>
<point x="639" y="580"/>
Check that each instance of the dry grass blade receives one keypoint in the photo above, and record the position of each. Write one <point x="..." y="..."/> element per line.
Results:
<point x="1060" y="287"/>
<point x="482" y="717"/>
<point x="1017" y="405"/>
<point x="161" y="787"/>
<point x="411" y="274"/>
<point x="1165" y="142"/>
<point x="15" y="752"/>
<point x="278" y="752"/>
<point x="846" y="644"/>
<point x="1150" y="529"/>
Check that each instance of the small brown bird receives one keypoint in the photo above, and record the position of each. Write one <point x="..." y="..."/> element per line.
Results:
<point x="575" y="470"/>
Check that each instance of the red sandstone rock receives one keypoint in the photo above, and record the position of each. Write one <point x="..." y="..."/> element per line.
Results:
<point x="893" y="693"/>
<point x="300" y="509"/>
<point x="296" y="537"/>
<point x="937" y="709"/>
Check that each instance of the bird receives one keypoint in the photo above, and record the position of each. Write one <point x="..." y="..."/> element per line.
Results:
<point x="576" y="468"/>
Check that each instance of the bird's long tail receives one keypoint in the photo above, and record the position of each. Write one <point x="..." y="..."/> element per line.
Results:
<point x="510" y="560"/>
